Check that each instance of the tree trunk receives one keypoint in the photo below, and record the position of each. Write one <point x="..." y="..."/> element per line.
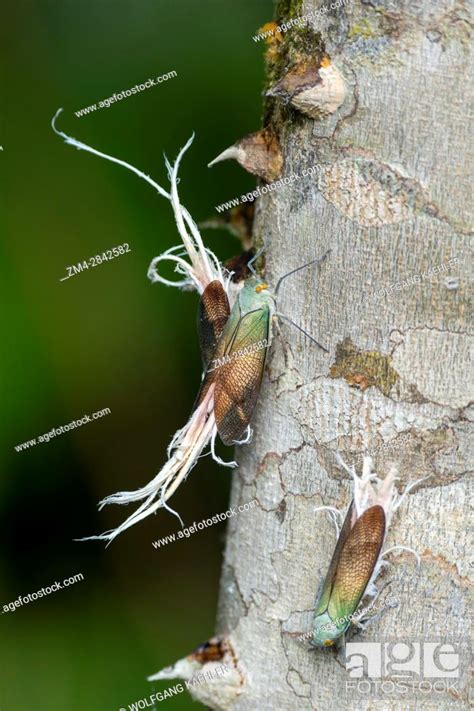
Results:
<point x="382" y="164"/>
<point x="391" y="198"/>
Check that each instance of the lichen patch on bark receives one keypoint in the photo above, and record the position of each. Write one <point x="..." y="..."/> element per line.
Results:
<point x="371" y="193"/>
<point x="363" y="369"/>
<point x="377" y="32"/>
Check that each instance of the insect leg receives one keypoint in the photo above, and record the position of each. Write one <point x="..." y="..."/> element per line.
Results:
<point x="403" y="548"/>
<point x="408" y="488"/>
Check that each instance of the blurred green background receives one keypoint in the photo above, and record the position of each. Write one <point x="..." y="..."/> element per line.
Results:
<point x="108" y="337"/>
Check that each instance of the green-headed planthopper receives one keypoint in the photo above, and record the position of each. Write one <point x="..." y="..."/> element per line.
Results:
<point x="234" y="353"/>
<point x="235" y="332"/>
<point x="358" y="556"/>
<point x="234" y="345"/>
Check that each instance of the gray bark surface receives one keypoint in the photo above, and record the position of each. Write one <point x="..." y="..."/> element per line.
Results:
<point x="392" y="199"/>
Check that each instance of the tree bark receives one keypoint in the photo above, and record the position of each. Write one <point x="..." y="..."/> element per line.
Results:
<point x="391" y="199"/>
<point x="383" y="181"/>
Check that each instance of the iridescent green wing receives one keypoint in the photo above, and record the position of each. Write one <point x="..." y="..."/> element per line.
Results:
<point x="326" y="590"/>
<point x="238" y="370"/>
<point x="357" y="560"/>
<point x="213" y="314"/>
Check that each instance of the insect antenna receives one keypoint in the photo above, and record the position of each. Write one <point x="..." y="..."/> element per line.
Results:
<point x="285" y="318"/>
<point x="250" y="266"/>
<point x="314" y="261"/>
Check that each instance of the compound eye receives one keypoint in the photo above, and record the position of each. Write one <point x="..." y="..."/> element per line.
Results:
<point x="261" y="287"/>
<point x="328" y="642"/>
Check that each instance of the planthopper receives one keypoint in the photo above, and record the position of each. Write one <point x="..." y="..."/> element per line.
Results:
<point x="235" y="331"/>
<point x="358" y="557"/>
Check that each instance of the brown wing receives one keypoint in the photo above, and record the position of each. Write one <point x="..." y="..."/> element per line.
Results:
<point x="213" y="314"/>
<point x="238" y="382"/>
<point x="357" y="561"/>
<point x="326" y="590"/>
